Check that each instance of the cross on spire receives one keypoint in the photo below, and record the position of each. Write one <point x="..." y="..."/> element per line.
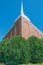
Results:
<point x="22" y="8"/>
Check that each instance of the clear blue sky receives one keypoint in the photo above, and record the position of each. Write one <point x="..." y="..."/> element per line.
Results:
<point x="10" y="10"/>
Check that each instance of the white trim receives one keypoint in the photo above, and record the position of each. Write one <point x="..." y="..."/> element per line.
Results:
<point x="31" y="23"/>
<point x="37" y="29"/>
<point x="27" y="19"/>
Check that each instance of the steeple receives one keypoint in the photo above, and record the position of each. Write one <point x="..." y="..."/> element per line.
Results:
<point x="22" y="8"/>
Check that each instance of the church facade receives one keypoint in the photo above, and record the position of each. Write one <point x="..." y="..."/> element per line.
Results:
<point x="23" y="27"/>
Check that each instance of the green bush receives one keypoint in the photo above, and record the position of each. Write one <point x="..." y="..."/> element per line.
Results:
<point x="13" y="51"/>
<point x="2" y="50"/>
<point x="17" y="50"/>
<point x="35" y="49"/>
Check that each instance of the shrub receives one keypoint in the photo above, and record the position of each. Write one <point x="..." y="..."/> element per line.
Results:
<point x="35" y="49"/>
<point x="17" y="50"/>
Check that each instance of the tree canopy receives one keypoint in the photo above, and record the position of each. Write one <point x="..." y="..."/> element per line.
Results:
<point x="18" y="50"/>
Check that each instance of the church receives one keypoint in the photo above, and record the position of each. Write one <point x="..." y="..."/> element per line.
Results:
<point x="23" y="27"/>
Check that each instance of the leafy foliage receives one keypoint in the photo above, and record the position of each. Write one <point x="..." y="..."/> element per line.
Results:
<point x="17" y="50"/>
<point x="35" y="49"/>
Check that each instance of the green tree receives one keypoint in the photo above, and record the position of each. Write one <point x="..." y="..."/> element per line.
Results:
<point x="13" y="50"/>
<point x="35" y="49"/>
<point x="2" y="46"/>
<point x="17" y="50"/>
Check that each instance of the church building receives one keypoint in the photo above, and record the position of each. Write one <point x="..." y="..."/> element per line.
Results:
<point x="23" y="27"/>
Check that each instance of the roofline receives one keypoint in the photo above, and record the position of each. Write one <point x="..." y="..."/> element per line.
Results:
<point x="11" y="26"/>
<point x="15" y="22"/>
<point x="31" y="22"/>
<point x="27" y="19"/>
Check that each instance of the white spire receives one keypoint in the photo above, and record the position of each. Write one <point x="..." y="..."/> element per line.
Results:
<point x="22" y="8"/>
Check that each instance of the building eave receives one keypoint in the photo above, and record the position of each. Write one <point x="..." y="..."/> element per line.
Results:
<point x="25" y="18"/>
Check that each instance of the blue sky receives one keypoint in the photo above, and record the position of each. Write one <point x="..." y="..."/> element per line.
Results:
<point x="10" y="10"/>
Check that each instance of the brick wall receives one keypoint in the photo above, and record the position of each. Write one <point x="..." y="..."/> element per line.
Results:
<point x="24" y="28"/>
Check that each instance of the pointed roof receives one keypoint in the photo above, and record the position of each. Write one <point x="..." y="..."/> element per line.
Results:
<point x="23" y="15"/>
